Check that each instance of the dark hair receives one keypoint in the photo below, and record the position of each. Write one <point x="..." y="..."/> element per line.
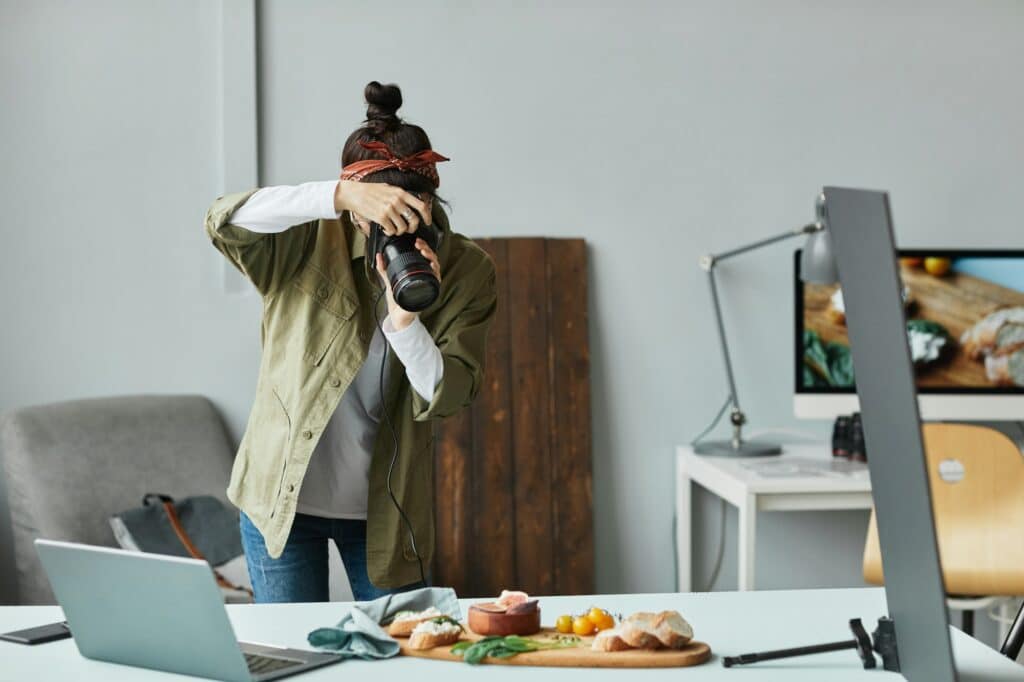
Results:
<point x="383" y="125"/>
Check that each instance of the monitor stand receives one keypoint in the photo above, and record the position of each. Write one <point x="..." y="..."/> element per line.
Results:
<point x="743" y="448"/>
<point x="860" y="225"/>
<point x="736" y="446"/>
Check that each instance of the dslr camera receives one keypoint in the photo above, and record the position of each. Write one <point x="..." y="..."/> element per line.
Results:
<point x="413" y="282"/>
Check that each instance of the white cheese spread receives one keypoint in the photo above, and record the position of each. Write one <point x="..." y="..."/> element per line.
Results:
<point x="430" y="627"/>
<point x="925" y="347"/>
<point x="431" y="612"/>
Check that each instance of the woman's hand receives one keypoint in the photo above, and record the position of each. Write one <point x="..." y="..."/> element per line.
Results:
<point x="394" y="209"/>
<point x="400" y="317"/>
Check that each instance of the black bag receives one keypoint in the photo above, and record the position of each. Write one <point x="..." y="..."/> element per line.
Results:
<point x="200" y="527"/>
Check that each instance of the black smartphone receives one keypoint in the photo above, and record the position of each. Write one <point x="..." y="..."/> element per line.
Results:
<point x="39" y="635"/>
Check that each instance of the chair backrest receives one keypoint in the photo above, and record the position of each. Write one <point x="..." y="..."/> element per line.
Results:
<point x="977" y="483"/>
<point x="69" y="466"/>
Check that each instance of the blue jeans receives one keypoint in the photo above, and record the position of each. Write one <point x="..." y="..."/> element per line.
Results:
<point x="300" y="573"/>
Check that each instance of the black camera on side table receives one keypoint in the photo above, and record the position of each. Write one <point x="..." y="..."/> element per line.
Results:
<point x="848" y="438"/>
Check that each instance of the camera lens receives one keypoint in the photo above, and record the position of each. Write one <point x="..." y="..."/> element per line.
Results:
<point x="413" y="282"/>
<point x="416" y="292"/>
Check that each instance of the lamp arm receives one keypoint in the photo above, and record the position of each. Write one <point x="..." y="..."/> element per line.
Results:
<point x="722" y="341"/>
<point x="708" y="263"/>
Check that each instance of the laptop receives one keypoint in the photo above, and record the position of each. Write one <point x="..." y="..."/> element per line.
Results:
<point x="159" y="612"/>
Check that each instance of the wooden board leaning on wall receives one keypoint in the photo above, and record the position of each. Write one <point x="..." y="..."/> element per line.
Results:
<point x="512" y="474"/>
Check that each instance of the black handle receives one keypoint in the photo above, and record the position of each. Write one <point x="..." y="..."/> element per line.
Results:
<point x="744" y="659"/>
<point x="861" y="642"/>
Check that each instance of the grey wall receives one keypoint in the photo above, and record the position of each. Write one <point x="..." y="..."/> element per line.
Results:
<point x="110" y="139"/>
<point x="657" y="131"/>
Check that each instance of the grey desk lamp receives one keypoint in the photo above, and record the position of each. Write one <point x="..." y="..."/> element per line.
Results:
<point x="816" y="266"/>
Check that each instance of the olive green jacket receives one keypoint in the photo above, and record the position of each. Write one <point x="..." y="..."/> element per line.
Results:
<point x="317" y="325"/>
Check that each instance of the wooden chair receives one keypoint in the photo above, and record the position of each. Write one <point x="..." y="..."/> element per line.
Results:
<point x="977" y="483"/>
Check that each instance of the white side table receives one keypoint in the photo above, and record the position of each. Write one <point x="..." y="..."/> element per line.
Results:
<point x="804" y="478"/>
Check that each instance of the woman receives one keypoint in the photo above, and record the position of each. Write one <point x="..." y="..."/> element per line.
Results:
<point x="315" y="463"/>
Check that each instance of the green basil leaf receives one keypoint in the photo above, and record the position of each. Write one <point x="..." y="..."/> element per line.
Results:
<point x="475" y="654"/>
<point x="927" y="327"/>
<point x="461" y="646"/>
<point x="815" y="356"/>
<point x="447" y="619"/>
<point x="840" y="364"/>
<point x="518" y="643"/>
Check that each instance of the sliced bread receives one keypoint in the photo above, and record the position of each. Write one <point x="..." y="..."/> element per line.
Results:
<point x="638" y="631"/>
<point x="672" y="630"/>
<point x="433" y="633"/>
<point x="406" y="621"/>
<point x="609" y="640"/>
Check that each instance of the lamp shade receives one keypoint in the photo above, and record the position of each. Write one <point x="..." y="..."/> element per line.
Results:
<point x="817" y="266"/>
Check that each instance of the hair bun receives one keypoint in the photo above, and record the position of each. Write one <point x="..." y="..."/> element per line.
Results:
<point x="382" y="103"/>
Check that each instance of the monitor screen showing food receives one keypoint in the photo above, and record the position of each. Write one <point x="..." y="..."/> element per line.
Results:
<point x="965" y="324"/>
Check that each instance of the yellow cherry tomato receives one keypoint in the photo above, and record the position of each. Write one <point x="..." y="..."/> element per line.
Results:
<point x="601" y="619"/>
<point x="583" y="626"/>
<point x="937" y="266"/>
<point x="564" y="624"/>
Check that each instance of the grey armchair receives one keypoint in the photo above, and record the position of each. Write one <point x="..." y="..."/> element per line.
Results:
<point x="69" y="466"/>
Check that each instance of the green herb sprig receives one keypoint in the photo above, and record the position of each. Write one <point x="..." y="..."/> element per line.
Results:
<point x="447" y="619"/>
<point x="506" y="647"/>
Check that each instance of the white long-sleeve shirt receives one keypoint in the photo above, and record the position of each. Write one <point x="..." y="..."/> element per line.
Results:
<point x="337" y="480"/>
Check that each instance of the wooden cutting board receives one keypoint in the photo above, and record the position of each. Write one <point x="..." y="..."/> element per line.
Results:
<point x="583" y="656"/>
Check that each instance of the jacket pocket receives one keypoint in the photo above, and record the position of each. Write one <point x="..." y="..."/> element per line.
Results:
<point x="328" y="307"/>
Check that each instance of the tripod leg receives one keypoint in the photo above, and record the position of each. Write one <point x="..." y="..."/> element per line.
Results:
<point x="967" y="621"/>
<point x="1015" y="637"/>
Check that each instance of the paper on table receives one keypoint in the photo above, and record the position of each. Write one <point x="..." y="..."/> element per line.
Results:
<point x="807" y="466"/>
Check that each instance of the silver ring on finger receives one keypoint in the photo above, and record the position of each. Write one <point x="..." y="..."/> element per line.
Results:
<point x="407" y="214"/>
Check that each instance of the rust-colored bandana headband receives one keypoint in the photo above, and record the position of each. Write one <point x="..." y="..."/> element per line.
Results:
<point x="421" y="162"/>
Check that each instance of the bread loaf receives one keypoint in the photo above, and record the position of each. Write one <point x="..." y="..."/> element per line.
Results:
<point x="638" y="631"/>
<point x="433" y="633"/>
<point x="672" y="630"/>
<point x="609" y="640"/>
<point x="645" y="630"/>
<point x="1006" y="370"/>
<point x="1002" y="330"/>
<point x="406" y="621"/>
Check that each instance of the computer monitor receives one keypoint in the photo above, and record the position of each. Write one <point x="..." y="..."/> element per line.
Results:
<point x="965" y="323"/>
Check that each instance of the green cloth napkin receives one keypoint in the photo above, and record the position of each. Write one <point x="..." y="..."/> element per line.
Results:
<point x="358" y="634"/>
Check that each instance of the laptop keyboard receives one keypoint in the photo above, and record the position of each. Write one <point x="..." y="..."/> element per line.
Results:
<point x="261" y="665"/>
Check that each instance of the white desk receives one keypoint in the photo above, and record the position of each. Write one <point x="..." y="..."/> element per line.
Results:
<point x="837" y="485"/>
<point x="731" y="622"/>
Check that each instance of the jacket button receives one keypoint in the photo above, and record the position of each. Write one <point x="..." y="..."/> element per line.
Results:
<point x="335" y="382"/>
<point x="307" y="434"/>
<point x="323" y="292"/>
<point x="291" y="488"/>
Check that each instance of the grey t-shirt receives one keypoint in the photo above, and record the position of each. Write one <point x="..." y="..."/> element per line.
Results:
<point x="337" y="480"/>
